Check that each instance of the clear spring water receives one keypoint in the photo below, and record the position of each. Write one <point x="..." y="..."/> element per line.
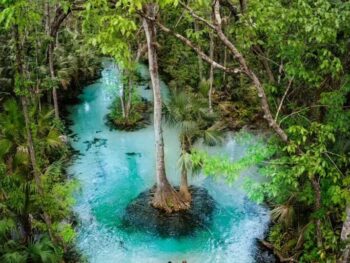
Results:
<point x="110" y="179"/>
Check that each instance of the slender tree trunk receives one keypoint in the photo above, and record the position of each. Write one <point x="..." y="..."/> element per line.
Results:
<point x="141" y="50"/>
<point x="122" y="100"/>
<point x="165" y="198"/>
<point x="129" y="100"/>
<point x="122" y="95"/>
<point x="243" y="6"/>
<point x="217" y="26"/>
<point x="52" y="28"/>
<point x="225" y="63"/>
<point x="25" y="217"/>
<point x="184" y="190"/>
<point x="200" y="62"/>
<point x="53" y="78"/>
<point x="245" y="69"/>
<point x="47" y="13"/>
<point x="211" y="73"/>
<point x="31" y="149"/>
<point x="317" y="190"/>
<point x="261" y="56"/>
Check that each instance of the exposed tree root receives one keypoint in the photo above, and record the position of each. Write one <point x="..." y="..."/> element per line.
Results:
<point x="277" y="252"/>
<point x="185" y="194"/>
<point x="167" y="199"/>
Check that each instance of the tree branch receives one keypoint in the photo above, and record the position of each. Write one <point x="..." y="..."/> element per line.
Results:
<point x="283" y="98"/>
<point x="60" y="16"/>
<point x="197" y="50"/>
<point x="258" y="85"/>
<point x="190" y="44"/>
<point x="277" y="252"/>
<point x="194" y="15"/>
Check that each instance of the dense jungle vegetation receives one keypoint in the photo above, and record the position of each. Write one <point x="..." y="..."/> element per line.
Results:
<point x="277" y="68"/>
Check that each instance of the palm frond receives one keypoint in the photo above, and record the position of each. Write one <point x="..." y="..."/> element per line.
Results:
<point x="212" y="137"/>
<point x="5" y="146"/>
<point x="283" y="214"/>
<point x="43" y="251"/>
<point x="14" y="257"/>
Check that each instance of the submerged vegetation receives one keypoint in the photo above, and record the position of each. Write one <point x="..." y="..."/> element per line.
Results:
<point x="278" y="67"/>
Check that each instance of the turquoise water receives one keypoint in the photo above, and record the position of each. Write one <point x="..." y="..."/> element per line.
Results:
<point x="110" y="179"/>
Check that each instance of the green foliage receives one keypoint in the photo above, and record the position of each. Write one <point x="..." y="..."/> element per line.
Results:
<point x="304" y="46"/>
<point x="20" y="199"/>
<point x="222" y="166"/>
<point x="112" y="30"/>
<point x="290" y="170"/>
<point x="314" y="25"/>
<point x="138" y="116"/>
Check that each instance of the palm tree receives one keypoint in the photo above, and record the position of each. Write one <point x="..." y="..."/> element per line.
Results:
<point x="191" y="114"/>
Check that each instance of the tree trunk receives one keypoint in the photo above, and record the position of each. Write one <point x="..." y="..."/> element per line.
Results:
<point x="47" y="13"/>
<point x="264" y="61"/>
<point x="165" y="198"/>
<point x="25" y="217"/>
<point x="53" y="78"/>
<point x="31" y="149"/>
<point x="225" y="63"/>
<point x="129" y="100"/>
<point x="211" y="73"/>
<point x="52" y="28"/>
<point x="345" y="235"/>
<point x="184" y="191"/>
<point x="141" y="50"/>
<point x="243" y="5"/>
<point x="238" y="56"/>
<point x="122" y="100"/>
<point x="245" y="69"/>
<point x="200" y="62"/>
<point x="317" y="190"/>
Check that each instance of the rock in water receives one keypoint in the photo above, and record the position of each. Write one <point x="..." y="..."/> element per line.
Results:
<point x="140" y="215"/>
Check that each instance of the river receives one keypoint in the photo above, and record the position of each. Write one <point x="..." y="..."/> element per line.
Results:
<point x="115" y="166"/>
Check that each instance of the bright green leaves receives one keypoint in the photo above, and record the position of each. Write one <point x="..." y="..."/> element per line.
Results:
<point x="7" y="16"/>
<point x="337" y="114"/>
<point x="131" y="6"/>
<point x="310" y="154"/>
<point x="112" y="30"/>
<point x="6" y="225"/>
<point x="18" y="13"/>
<point x="20" y="196"/>
<point x="223" y="166"/>
<point x="67" y="233"/>
<point x="289" y="171"/>
<point x="302" y="34"/>
<point x="5" y="146"/>
<point x="329" y="63"/>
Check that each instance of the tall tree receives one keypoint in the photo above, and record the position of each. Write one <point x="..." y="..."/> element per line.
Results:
<point x="52" y="31"/>
<point x="165" y="197"/>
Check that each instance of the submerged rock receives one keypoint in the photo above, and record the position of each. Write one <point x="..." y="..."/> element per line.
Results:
<point x="97" y="142"/>
<point x="133" y="154"/>
<point x="140" y="215"/>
